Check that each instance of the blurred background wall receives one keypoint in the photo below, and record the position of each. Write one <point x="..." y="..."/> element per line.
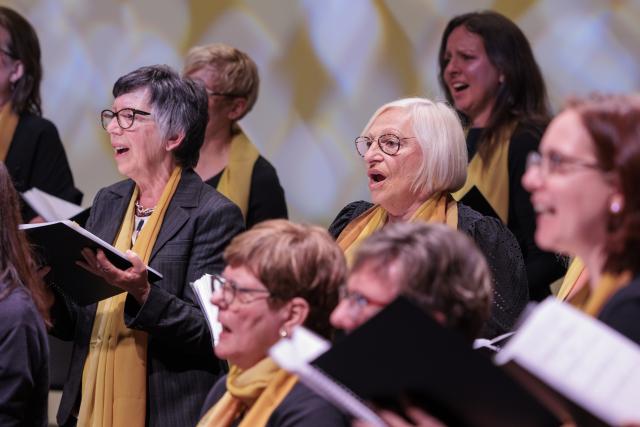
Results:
<point x="325" y="66"/>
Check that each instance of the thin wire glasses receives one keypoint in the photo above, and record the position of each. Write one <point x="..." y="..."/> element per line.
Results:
<point x="231" y="291"/>
<point x="356" y="301"/>
<point x="388" y="143"/>
<point x="124" y="117"/>
<point x="555" y="163"/>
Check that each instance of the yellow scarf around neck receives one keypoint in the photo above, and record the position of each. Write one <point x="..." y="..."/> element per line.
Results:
<point x="574" y="281"/>
<point x="114" y="379"/>
<point x="235" y="182"/>
<point x="257" y="392"/>
<point x="8" y="123"/>
<point x="608" y="285"/>
<point x="439" y="209"/>
<point x="491" y="177"/>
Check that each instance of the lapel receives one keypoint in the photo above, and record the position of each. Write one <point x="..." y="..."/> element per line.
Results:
<point x="185" y="198"/>
<point x="112" y="209"/>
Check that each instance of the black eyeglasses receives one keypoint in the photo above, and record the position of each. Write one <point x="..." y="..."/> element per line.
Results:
<point x="357" y="302"/>
<point x="388" y="143"/>
<point x="556" y="163"/>
<point x="124" y="117"/>
<point x="230" y="291"/>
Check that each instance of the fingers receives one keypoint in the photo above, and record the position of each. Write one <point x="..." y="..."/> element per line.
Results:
<point x="136" y="263"/>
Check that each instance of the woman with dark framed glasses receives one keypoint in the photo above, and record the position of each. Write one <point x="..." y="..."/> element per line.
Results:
<point x="279" y="275"/>
<point x="584" y="188"/>
<point x="414" y="154"/>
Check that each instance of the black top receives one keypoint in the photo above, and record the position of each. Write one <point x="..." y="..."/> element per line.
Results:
<point x="300" y="408"/>
<point x="36" y="158"/>
<point x="24" y="361"/>
<point x="543" y="268"/>
<point x="500" y="248"/>
<point x="266" y="196"/>
<point x="622" y="311"/>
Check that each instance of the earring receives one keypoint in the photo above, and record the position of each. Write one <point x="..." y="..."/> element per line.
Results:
<point x="615" y="207"/>
<point x="283" y="333"/>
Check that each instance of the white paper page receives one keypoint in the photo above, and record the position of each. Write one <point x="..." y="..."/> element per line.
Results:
<point x="580" y="357"/>
<point x="202" y="289"/>
<point x="50" y="207"/>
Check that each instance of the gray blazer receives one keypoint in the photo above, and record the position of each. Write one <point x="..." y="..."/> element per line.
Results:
<point x="181" y="366"/>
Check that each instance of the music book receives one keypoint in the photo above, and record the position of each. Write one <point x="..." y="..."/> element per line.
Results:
<point x="402" y="355"/>
<point x="52" y="208"/>
<point x="591" y="369"/>
<point x="202" y="290"/>
<point x="59" y="244"/>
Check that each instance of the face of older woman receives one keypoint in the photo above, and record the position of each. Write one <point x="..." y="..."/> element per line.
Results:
<point x="140" y="149"/>
<point x="391" y="176"/>
<point x="470" y="76"/>
<point x="366" y="293"/>
<point x="570" y="194"/>
<point x="249" y="325"/>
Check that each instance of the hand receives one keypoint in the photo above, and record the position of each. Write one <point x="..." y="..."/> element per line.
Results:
<point x="133" y="279"/>
<point x="37" y="220"/>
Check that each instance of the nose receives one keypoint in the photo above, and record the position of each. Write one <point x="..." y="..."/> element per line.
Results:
<point x="452" y="68"/>
<point x="373" y="153"/>
<point x="113" y="126"/>
<point x="532" y="178"/>
<point x="340" y="317"/>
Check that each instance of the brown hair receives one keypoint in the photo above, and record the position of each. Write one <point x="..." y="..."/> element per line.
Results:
<point x="238" y="74"/>
<point x="440" y="269"/>
<point x="17" y="267"/>
<point x="613" y="122"/>
<point x="522" y="97"/>
<point x="24" y="47"/>
<point x="293" y="260"/>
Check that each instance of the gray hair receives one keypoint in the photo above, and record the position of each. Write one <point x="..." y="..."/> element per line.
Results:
<point x="438" y="130"/>
<point x="441" y="269"/>
<point x="179" y="106"/>
<point x="237" y="72"/>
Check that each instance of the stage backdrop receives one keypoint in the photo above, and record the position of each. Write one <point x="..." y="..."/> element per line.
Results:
<point x="325" y="66"/>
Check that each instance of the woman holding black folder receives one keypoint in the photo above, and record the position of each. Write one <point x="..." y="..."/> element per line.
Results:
<point x="143" y="357"/>
<point x="24" y="310"/>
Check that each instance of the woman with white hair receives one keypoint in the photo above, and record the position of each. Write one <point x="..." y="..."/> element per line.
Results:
<point x="415" y="156"/>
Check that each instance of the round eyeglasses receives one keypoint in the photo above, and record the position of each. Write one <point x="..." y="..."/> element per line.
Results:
<point x="356" y="301"/>
<point x="231" y="291"/>
<point x="124" y="117"/>
<point x="556" y="163"/>
<point x="388" y="143"/>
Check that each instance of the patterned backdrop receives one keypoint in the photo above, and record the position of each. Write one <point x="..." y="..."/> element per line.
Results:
<point x="325" y="66"/>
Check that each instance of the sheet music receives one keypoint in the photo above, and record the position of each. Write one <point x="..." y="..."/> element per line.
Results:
<point x="580" y="357"/>
<point x="202" y="289"/>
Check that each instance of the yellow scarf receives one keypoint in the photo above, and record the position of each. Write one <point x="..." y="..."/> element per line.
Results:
<point x="114" y="378"/>
<point x="258" y="391"/>
<point x="439" y="209"/>
<point x="574" y="281"/>
<point x="608" y="285"/>
<point x="235" y="182"/>
<point x="8" y="123"/>
<point x="491" y="178"/>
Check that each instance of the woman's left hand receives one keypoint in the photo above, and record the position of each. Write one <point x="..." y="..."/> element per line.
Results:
<point x="133" y="279"/>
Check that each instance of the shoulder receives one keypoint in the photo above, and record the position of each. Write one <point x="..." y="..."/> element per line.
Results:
<point x="263" y="168"/>
<point x="525" y="138"/>
<point x="346" y="215"/>
<point x="215" y="394"/>
<point x="487" y="231"/>
<point x="30" y="124"/>
<point x="19" y="312"/>
<point x="622" y="310"/>
<point x="119" y="189"/>
<point x="303" y="407"/>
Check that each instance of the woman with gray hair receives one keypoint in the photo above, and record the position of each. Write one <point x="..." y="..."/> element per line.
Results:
<point x="143" y="357"/>
<point x="229" y="161"/>
<point x="415" y="155"/>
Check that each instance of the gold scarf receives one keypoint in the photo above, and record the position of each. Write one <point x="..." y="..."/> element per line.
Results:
<point x="608" y="285"/>
<point x="258" y="391"/>
<point x="439" y="209"/>
<point x="574" y="281"/>
<point x="235" y="182"/>
<point x="8" y="123"/>
<point x="114" y="379"/>
<point x="491" y="178"/>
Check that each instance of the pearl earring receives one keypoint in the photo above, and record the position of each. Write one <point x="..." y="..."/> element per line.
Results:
<point x="615" y="207"/>
<point x="283" y="333"/>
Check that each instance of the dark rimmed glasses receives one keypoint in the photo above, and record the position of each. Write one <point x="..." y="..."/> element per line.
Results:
<point x="224" y="94"/>
<point x="231" y="291"/>
<point x="556" y="163"/>
<point x="356" y="301"/>
<point x="124" y="117"/>
<point x="388" y="143"/>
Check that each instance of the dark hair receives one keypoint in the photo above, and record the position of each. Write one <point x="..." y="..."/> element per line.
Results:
<point x="24" y="47"/>
<point x="180" y="106"/>
<point x="293" y="260"/>
<point x="441" y="269"/>
<point x="522" y="96"/>
<point x="17" y="267"/>
<point x="613" y="122"/>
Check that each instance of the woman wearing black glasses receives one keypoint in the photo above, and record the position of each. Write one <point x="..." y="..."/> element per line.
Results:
<point x="415" y="154"/>
<point x="29" y="144"/>
<point x="279" y="275"/>
<point x="143" y="357"/>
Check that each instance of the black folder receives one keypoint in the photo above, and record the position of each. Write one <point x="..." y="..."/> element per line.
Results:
<point x="58" y="244"/>
<point x="402" y="355"/>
